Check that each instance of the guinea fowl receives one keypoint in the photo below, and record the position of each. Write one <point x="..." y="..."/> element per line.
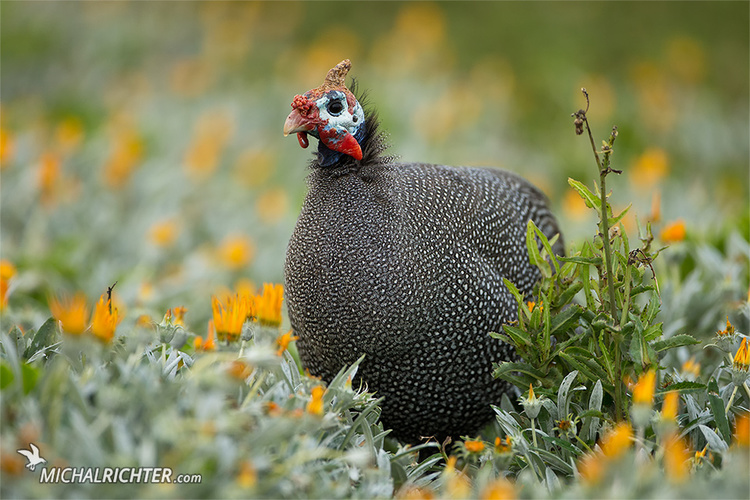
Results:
<point x="404" y="263"/>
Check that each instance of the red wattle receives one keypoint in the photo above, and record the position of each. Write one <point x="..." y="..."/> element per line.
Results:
<point x="303" y="140"/>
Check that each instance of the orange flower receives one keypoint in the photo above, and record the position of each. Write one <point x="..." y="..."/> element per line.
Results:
<point x="474" y="446"/>
<point x="179" y="315"/>
<point x="239" y="370"/>
<point x="269" y="304"/>
<point x="48" y="177"/>
<point x="209" y="344"/>
<point x="591" y="466"/>
<point x="676" y="458"/>
<point x="283" y="342"/>
<point x="7" y="271"/>
<point x="742" y="430"/>
<point x="503" y="445"/>
<point x="229" y="320"/>
<point x="105" y="320"/>
<point x="674" y="232"/>
<point x="617" y="441"/>
<point x="315" y="406"/>
<point x="499" y="489"/>
<point x="643" y="391"/>
<point x="6" y="147"/>
<point x="671" y="405"/>
<point x="72" y="312"/>
<point x="742" y="358"/>
<point x="125" y="154"/>
<point x="690" y="367"/>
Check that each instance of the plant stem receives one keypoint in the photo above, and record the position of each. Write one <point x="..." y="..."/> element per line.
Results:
<point x="731" y="399"/>
<point x="533" y="433"/>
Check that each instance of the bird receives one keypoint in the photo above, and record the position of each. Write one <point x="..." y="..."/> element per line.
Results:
<point x="32" y="456"/>
<point x="404" y="263"/>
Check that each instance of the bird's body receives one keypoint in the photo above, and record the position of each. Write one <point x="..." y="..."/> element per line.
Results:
<point x="404" y="263"/>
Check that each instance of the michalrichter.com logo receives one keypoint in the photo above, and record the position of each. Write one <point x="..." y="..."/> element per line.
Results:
<point x="32" y="456"/>
<point x="104" y="474"/>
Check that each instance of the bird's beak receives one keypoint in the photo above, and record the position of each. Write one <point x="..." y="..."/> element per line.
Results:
<point x="297" y="124"/>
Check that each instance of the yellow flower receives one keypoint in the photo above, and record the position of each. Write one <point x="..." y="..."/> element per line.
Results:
<point x="411" y="492"/>
<point x="499" y="489"/>
<point x="617" y="441"/>
<point x="125" y="154"/>
<point x="272" y="205"/>
<point x="208" y="344"/>
<point x="235" y="252"/>
<point x="676" y="458"/>
<point x="674" y="232"/>
<point x="210" y="136"/>
<point x="650" y="168"/>
<point x="269" y="304"/>
<point x="105" y="320"/>
<point x="690" y="367"/>
<point x="179" y="315"/>
<point x="474" y="446"/>
<point x="655" y="215"/>
<point x="6" y="147"/>
<point x="239" y="370"/>
<point x="742" y="358"/>
<point x="247" y="477"/>
<point x="7" y="271"/>
<point x="643" y="391"/>
<point x="671" y="405"/>
<point x="48" y="177"/>
<point x="283" y="342"/>
<point x="315" y="406"/>
<point x="503" y="445"/>
<point x="700" y="455"/>
<point x="741" y="364"/>
<point x="72" y="312"/>
<point x="742" y="430"/>
<point x="164" y="233"/>
<point x="228" y="320"/>
<point x="591" y="467"/>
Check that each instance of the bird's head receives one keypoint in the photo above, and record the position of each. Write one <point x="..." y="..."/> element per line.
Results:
<point x="330" y="113"/>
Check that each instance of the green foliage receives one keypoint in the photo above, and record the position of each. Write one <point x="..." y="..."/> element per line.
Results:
<point x="239" y="416"/>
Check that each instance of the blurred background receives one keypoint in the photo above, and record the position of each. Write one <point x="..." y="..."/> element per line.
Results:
<point x="140" y="142"/>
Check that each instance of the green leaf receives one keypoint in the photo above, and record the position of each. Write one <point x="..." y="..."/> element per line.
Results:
<point x="569" y="293"/>
<point x="653" y="332"/>
<point x="43" y="337"/>
<point x="507" y="366"/>
<point x="535" y="257"/>
<point x="675" y="341"/>
<point x="717" y="408"/>
<point x="577" y="259"/>
<point x="614" y="220"/>
<point x="563" y="395"/>
<point x="683" y="388"/>
<point x="592" y="201"/>
<point x="518" y="336"/>
<point x="565" y="320"/>
<point x="30" y="376"/>
<point x="714" y="440"/>
<point x="641" y="352"/>
<point x="6" y="375"/>
<point x="513" y="290"/>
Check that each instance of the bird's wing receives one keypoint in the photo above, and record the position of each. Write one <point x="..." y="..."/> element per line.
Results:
<point x="27" y="454"/>
<point x="34" y="449"/>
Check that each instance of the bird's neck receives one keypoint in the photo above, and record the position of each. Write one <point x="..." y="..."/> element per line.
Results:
<point x="328" y="158"/>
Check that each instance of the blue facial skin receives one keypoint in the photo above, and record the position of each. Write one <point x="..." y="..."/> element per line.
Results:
<point x="328" y="157"/>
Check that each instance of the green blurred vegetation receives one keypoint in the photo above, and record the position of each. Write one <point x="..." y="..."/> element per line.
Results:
<point x="140" y="142"/>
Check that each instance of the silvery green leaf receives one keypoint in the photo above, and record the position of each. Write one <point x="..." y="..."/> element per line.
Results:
<point x="563" y="396"/>
<point x="714" y="440"/>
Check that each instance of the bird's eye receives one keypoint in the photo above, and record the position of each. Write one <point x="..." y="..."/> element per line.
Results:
<point x="335" y="107"/>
